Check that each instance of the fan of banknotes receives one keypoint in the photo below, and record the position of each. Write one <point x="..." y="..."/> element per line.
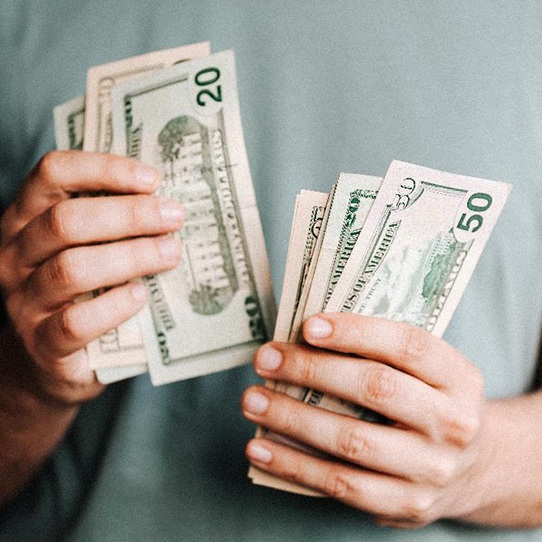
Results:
<point x="402" y="247"/>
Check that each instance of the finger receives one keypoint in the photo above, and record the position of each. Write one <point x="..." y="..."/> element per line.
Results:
<point x="59" y="174"/>
<point x="69" y="380"/>
<point x="372" y="492"/>
<point x="93" y="220"/>
<point x="400" y="345"/>
<point x="72" y="328"/>
<point x="83" y="269"/>
<point x="378" y="387"/>
<point x="377" y="447"/>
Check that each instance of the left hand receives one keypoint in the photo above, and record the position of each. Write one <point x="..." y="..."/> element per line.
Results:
<point x="406" y="474"/>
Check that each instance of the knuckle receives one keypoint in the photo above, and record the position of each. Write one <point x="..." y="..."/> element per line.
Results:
<point x="134" y="216"/>
<point x="442" y="472"/>
<point x="70" y="324"/>
<point x="117" y="168"/>
<point x="418" y="507"/>
<point x="338" y="484"/>
<point x="49" y="164"/>
<point x="308" y="366"/>
<point x="460" y="429"/>
<point x="290" y="423"/>
<point x="353" y="444"/>
<point x="127" y="168"/>
<point x="378" y="385"/>
<point x="414" y="343"/>
<point x="64" y="270"/>
<point x="62" y="222"/>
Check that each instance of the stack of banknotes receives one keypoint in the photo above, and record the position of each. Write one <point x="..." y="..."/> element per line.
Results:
<point x="403" y="247"/>
<point x="178" y="110"/>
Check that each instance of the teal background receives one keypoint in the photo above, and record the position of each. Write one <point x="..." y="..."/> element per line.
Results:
<point x="324" y="87"/>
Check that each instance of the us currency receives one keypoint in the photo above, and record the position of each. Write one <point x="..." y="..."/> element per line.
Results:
<point x="303" y="288"/>
<point x="214" y="310"/>
<point x="348" y="206"/>
<point x="306" y="226"/>
<point x="120" y="353"/>
<point x="416" y="253"/>
<point x="350" y="202"/>
<point x="69" y="119"/>
<point x="101" y="80"/>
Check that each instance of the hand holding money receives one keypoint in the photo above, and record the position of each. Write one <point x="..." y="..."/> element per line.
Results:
<point x="55" y="247"/>
<point x="182" y="118"/>
<point x="406" y="473"/>
<point x="401" y="249"/>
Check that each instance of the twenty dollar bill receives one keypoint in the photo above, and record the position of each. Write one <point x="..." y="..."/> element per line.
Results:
<point x="215" y="309"/>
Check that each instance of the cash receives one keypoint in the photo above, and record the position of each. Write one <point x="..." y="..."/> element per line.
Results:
<point x="215" y="309"/>
<point x="192" y="133"/>
<point x="69" y="120"/>
<point x="403" y="247"/>
<point x="406" y="255"/>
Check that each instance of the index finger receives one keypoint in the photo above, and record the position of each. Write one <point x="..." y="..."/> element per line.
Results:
<point x="405" y="347"/>
<point x="60" y="174"/>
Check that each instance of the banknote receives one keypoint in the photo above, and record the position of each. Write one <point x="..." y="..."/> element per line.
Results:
<point x="101" y="80"/>
<point x="69" y="119"/>
<point x="350" y="201"/>
<point x="216" y="308"/>
<point x="123" y="345"/>
<point x="420" y="245"/>
<point x="348" y="206"/>
<point x="306" y="226"/>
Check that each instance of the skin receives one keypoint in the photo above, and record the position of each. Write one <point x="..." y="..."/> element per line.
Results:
<point x="446" y="454"/>
<point x="53" y="249"/>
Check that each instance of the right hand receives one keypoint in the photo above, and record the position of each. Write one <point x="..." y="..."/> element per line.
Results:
<point x="54" y="248"/>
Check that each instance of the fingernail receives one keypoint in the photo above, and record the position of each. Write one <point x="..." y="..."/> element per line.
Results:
<point x="259" y="453"/>
<point x="255" y="402"/>
<point x="169" y="248"/>
<point x="317" y="328"/>
<point x="139" y="292"/>
<point x="268" y="359"/>
<point x="146" y="175"/>
<point x="170" y="211"/>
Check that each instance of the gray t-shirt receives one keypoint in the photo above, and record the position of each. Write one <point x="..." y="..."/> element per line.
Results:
<point x="325" y="87"/>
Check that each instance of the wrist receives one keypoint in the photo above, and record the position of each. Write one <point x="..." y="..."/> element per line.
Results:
<point x="505" y="488"/>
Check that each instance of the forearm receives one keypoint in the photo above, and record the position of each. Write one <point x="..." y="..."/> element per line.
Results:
<point x="31" y="425"/>
<point x="507" y="491"/>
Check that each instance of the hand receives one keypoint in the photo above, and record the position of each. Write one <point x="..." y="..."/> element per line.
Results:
<point x="54" y="248"/>
<point x="407" y="474"/>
